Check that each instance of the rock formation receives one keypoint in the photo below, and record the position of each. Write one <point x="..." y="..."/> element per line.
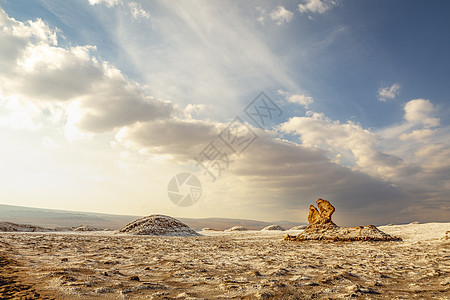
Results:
<point x="321" y="227"/>
<point x="326" y="209"/>
<point x="314" y="215"/>
<point x="158" y="225"/>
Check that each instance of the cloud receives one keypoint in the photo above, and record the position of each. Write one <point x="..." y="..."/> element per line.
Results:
<point x="386" y="93"/>
<point x="419" y="134"/>
<point x="316" y="6"/>
<point x="193" y="109"/>
<point x="137" y="11"/>
<point x="281" y="15"/>
<point x="341" y="161"/>
<point x="294" y="173"/>
<point x="262" y="14"/>
<point x="116" y="102"/>
<point x="133" y="8"/>
<point x="205" y="46"/>
<point x="419" y="124"/>
<point x="419" y="111"/>
<point x="109" y="3"/>
<point x="178" y="139"/>
<point x="39" y="74"/>
<point x="356" y="147"/>
<point x="434" y="158"/>
<point x="300" y="99"/>
<point x="21" y="114"/>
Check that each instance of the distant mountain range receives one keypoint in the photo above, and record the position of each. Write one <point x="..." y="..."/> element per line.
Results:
<point x="64" y="218"/>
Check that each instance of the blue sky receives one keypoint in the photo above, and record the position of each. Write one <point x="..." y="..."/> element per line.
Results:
<point x="107" y="100"/>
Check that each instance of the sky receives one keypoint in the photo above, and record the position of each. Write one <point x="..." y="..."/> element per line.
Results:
<point x="270" y="104"/>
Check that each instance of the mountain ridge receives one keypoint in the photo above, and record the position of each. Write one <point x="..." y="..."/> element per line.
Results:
<point x="46" y="217"/>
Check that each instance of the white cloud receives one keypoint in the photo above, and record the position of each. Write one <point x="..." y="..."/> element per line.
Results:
<point x="20" y="114"/>
<point x="193" y="109"/>
<point x="137" y="11"/>
<point x="419" y="134"/>
<point x="281" y="15"/>
<point x="96" y="96"/>
<point x="316" y="6"/>
<point x="434" y="158"/>
<point x="300" y="99"/>
<point x="356" y="146"/>
<point x="419" y="111"/>
<point x="109" y="3"/>
<point x="134" y="8"/>
<point x="389" y="92"/>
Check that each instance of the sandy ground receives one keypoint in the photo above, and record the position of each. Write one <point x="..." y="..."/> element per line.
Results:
<point x="225" y="265"/>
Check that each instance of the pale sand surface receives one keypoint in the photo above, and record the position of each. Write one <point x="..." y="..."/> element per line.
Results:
<point x="225" y="265"/>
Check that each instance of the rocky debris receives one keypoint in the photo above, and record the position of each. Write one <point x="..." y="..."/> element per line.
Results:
<point x="134" y="278"/>
<point x="86" y="228"/>
<point x="321" y="227"/>
<point x="158" y="225"/>
<point x="447" y="235"/>
<point x="13" y="227"/>
<point x="237" y="228"/>
<point x="273" y="227"/>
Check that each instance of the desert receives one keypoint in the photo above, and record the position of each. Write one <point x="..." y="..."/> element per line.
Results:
<point x="217" y="264"/>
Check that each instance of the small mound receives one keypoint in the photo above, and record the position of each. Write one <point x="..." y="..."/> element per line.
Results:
<point x="13" y="227"/>
<point x="273" y="227"/>
<point x="209" y="229"/>
<point x="85" y="227"/>
<point x="301" y="227"/>
<point x="237" y="228"/>
<point x="158" y="225"/>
